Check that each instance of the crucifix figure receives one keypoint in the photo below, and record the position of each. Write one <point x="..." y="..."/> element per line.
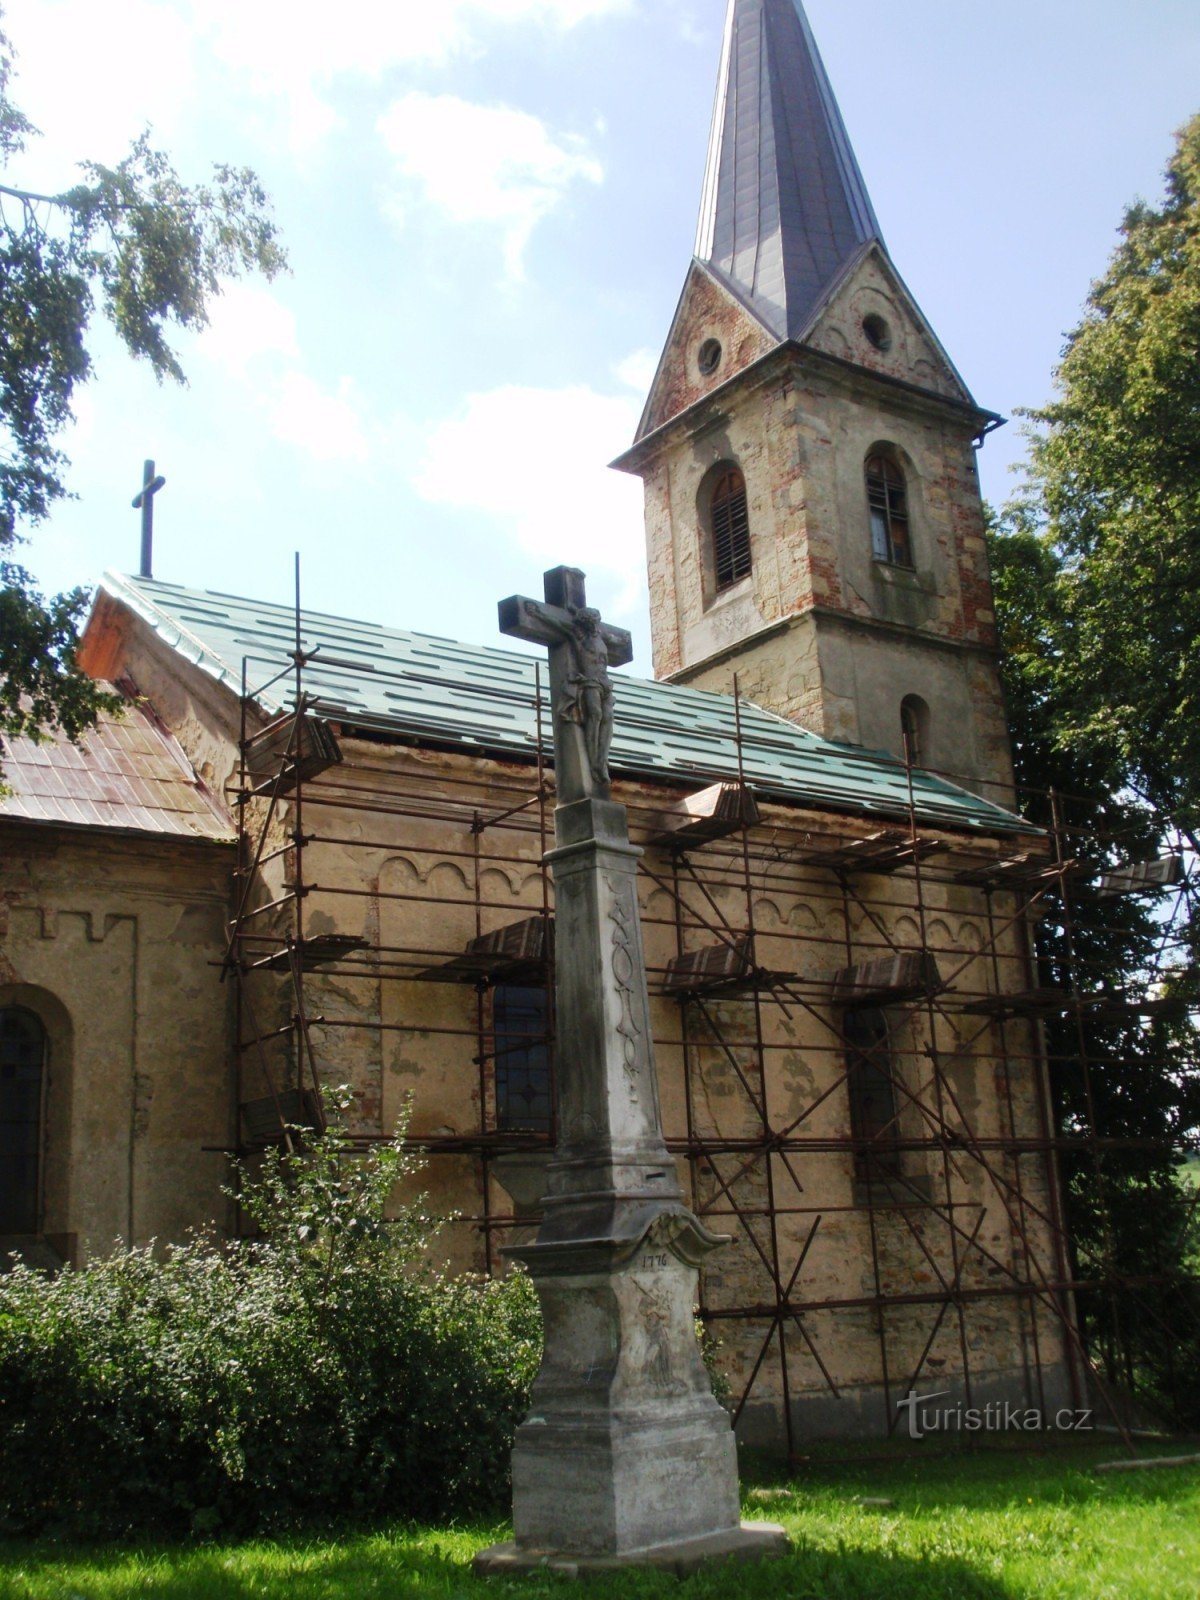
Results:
<point x="582" y="648"/>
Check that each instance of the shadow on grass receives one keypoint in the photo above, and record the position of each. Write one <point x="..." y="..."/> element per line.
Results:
<point x="980" y="1480"/>
<point x="358" y="1570"/>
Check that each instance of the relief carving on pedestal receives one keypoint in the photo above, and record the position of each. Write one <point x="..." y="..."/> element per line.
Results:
<point x="624" y="969"/>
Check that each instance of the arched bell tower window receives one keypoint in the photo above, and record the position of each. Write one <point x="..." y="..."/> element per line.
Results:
<point x="914" y="730"/>
<point x="729" y="528"/>
<point x="887" y="498"/>
<point x="22" y="1071"/>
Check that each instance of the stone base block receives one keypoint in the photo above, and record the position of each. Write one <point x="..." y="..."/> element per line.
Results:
<point x="752" y="1541"/>
<point x="601" y="1487"/>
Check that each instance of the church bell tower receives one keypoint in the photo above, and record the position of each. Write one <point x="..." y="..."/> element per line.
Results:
<point x="813" y="518"/>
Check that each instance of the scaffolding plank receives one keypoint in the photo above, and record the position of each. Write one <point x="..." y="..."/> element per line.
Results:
<point x="265" y="1120"/>
<point x="277" y="767"/>
<point x="1026" y="871"/>
<point x="318" y="950"/>
<point x="727" y="968"/>
<point x="888" y="980"/>
<point x="714" y="813"/>
<point x="883" y="852"/>
<point x="1142" y="877"/>
<point x="518" y="952"/>
<point x="1048" y="1002"/>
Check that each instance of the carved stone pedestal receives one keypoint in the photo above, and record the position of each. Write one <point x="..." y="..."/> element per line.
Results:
<point x="625" y="1457"/>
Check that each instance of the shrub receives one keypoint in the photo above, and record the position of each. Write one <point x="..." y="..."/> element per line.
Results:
<point x="320" y="1373"/>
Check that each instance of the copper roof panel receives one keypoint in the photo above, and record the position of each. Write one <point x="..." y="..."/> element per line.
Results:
<point x="125" y="774"/>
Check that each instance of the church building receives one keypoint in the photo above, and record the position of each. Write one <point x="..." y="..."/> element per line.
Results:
<point x="310" y="854"/>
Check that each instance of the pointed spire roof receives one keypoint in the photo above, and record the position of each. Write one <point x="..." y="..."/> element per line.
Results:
<point x="785" y="208"/>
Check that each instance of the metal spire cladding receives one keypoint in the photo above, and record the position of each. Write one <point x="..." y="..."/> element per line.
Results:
<point x="785" y="208"/>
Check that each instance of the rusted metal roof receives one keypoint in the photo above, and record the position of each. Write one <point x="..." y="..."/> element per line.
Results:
<point x="128" y="774"/>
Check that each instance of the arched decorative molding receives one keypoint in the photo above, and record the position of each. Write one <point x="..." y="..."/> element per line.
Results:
<point x="802" y="918"/>
<point x="440" y="877"/>
<point x="940" y="938"/>
<point x="660" y="905"/>
<point x="768" y="915"/>
<point x="496" y="881"/>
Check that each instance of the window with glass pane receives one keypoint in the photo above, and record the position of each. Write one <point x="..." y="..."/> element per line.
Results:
<point x="22" y="1058"/>
<point x="522" y="1059"/>
<point x="887" y="498"/>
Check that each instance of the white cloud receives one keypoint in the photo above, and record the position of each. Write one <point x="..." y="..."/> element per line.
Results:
<point x="534" y="461"/>
<point x="252" y="340"/>
<point x="296" y="48"/>
<point x="92" y="75"/>
<point x="246" y="324"/>
<point x="326" y="426"/>
<point x="488" y="164"/>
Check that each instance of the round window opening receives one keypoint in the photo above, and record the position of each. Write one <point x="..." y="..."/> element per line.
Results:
<point x="709" y="357"/>
<point x="877" y="331"/>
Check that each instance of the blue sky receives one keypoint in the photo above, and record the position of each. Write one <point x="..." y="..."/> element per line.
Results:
<point x="490" y="207"/>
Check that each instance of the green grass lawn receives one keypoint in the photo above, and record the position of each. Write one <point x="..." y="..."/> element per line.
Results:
<point x="978" y="1527"/>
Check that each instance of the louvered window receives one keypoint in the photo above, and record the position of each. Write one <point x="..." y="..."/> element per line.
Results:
<point x="872" y="1095"/>
<point x="730" y="529"/>
<point x="887" y="498"/>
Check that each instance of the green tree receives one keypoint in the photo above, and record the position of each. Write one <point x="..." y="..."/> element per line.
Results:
<point x="146" y="251"/>
<point x="1114" y="479"/>
<point x="1130" y="1226"/>
<point x="1096" y="566"/>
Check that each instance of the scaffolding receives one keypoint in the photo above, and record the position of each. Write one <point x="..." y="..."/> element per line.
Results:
<point x="869" y="1257"/>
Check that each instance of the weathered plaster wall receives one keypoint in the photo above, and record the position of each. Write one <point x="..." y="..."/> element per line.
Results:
<point x="109" y="941"/>
<point x="418" y="886"/>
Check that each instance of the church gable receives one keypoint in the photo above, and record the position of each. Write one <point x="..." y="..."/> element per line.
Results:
<point x="873" y="321"/>
<point x="712" y="338"/>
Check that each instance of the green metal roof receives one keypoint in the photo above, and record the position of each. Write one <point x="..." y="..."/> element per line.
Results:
<point x="481" y="699"/>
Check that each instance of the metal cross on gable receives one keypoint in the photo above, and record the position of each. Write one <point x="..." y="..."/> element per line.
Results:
<point x="143" y="501"/>
<point x="582" y="648"/>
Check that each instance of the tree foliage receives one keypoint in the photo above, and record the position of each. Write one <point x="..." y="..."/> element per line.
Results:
<point x="1114" y="481"/>
<point x="1096" y="565"/>
<point x="148" y="253"/>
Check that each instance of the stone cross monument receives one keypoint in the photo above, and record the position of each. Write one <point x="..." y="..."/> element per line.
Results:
<point x="625" y="1456"/>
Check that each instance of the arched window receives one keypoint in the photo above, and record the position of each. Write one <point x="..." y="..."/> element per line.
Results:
<point x="914" y="730"/>
<point x="22" y="1064"/>
<point x="887" y="498"/>
<point x="729" y="526"/>
<point x="524" y="1092"/>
